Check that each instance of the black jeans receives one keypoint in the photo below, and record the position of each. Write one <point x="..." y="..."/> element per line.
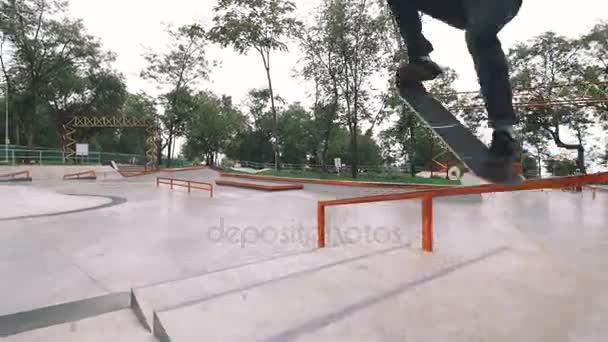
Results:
<point x="481" y="20"/>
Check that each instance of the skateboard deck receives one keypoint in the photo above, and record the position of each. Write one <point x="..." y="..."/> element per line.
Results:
<point x="458" y="138"/>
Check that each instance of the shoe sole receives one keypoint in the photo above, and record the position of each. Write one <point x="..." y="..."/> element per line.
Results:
<point x="416" y="73"/>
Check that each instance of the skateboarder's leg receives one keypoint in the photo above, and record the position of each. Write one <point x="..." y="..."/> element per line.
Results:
<point x="407" y="15"/>
<point x="485" y="18"/>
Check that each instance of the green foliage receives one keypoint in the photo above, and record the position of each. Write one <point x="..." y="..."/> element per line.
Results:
<point x="344" y="49"/>
<point x="262" y="25"/>
<point x="296" y="134"/>
<point x="213" y="124"/>
<point x="561" y="168"/>
<point x="185" y="60"/>
<point x="254" y="24"/>
<point x="127" y="140"/>
<point x="595" y="69"/>
<point x="368" y="152"/>
<point x="178" y="69"/>
<point x="530" y="166"/>
<point x="390" y="177"/>
<point x="55" y="64"/>
<point x="539" y="67"/>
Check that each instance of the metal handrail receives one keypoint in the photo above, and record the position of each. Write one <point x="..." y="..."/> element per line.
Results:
<point x="188" y="184"/>
<point x="427" y="197"/>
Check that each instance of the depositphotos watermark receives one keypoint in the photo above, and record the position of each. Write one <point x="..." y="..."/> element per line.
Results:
<point x="307" y="236"/>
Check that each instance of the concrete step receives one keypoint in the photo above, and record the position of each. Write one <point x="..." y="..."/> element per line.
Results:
<point x="175" y="294"/>
<point x="279" y="309"/>
<point x="396" y="295"/>
<point x="117" y="326"/>
<point x="107" y="317"/>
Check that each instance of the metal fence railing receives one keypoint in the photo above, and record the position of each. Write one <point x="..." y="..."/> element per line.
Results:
<point x="19" y="155"/>
<point x="16" y="155"/>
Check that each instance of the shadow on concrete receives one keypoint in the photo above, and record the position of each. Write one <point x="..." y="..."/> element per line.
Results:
<point x="114" y="201"/>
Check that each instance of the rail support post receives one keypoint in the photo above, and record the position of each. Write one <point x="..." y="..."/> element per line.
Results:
<point x="320" y="225"/>
<point x="171" y="184"/>
<point x="427" y="223"/>
<point x="189" y="187"/>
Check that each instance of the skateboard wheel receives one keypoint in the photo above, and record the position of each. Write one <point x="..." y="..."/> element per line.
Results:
<point x="454" y="173"/>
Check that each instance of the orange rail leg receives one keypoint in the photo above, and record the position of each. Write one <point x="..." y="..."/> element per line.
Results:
<point x="320" y="225"/>
<point x="427" y="223"/>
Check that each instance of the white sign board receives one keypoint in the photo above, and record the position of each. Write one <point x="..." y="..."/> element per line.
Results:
<point x="82" y="149"/>
<point x="338" y="163"/>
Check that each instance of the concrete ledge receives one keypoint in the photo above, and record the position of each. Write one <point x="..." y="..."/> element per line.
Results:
<point x="83" y="178"/>
<point x="85" y="175"/>
<point x="139" y="311"/>
<point x="337" y="182"/>
<point x="63" y="313"/>
<point x="15" y="180"/>
<point x="159" y="331"/>
<point x="263" y="187"/>
<point x="185" y="169"/>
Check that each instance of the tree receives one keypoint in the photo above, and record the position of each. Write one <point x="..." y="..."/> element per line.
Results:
<point x="368" y="154"/>
<point x="182" y="65"/>
<point x="91" y="89"/>
<point x="561" y="167"/>
<point x="322" y="66"/>
<point x="594" y="73"/>
<point x="362" y="35"/>
<point x="214" y="122"/>
<point x="539" y="66"/>
<point x="261" y="25"/>
<point x="43" y="40"/>
<point x="604" y="159"/>
<point x="296" y="134"/>
<point x="530" y="165"/>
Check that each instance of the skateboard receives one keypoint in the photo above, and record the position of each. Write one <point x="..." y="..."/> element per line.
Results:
<point x="472" y="152"/>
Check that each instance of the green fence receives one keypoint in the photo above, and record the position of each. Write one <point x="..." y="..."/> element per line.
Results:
<point x="19" y="155"/>
<point x="15" y="155"/>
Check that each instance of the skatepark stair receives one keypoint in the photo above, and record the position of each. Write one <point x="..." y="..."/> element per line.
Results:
<point x="104" y="318"/>
<point x="166" y="300"/>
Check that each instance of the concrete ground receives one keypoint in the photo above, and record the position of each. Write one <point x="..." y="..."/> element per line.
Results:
<point x="242" y="266"/>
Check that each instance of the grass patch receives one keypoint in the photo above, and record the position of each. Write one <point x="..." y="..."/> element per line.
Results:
<point x="384" y="177"/>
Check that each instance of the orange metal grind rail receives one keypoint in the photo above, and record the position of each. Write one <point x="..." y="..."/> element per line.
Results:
<point x="428" y="195"/>
<point x="184" y="183"/>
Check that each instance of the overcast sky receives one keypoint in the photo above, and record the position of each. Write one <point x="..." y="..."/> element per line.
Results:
<point x="128" y="26"/>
